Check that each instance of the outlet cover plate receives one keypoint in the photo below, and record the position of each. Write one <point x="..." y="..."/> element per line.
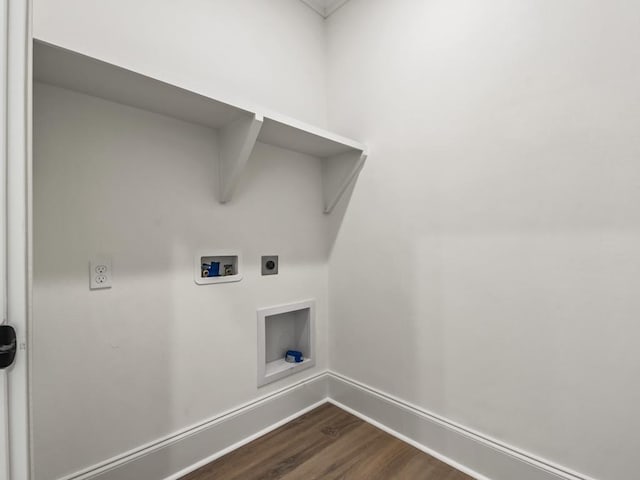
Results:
<point x="269" y="264"/>
<point x="100" y="273"/>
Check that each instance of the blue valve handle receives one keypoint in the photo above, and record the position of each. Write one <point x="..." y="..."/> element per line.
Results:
<point x="293" y="356"/>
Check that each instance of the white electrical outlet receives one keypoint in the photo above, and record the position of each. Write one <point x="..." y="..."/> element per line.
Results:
<point x="100" y="273"/>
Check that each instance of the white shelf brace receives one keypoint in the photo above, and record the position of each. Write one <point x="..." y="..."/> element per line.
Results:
<point x="338" y="172"/>
<point x="236" y="144"/>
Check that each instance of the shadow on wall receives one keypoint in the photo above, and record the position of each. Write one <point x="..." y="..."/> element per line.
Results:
<point x="336" y="217"/>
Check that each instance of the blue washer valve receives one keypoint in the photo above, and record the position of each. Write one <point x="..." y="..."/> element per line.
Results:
<point x="293" y="356"/>
<point x="211" y="269"/>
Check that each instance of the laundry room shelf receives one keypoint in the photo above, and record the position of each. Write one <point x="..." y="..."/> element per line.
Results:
<point x="239" y="128"/>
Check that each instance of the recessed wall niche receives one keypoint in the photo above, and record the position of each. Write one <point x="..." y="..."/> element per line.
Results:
<point x="283" y="328"/>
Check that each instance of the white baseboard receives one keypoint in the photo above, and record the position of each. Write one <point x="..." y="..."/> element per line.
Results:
<point x="176" y="455"/>
<point x="471" y="452"/>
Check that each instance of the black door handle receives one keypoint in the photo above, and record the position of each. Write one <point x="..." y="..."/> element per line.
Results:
<point x="8" y="346"/>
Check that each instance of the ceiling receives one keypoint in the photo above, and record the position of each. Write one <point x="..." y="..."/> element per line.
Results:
<point x="325" y="7"/>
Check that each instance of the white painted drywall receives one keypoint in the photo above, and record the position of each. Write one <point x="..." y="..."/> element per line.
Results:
<point x="115" y="369"/>
<point x="488" y="265"/>
<point x="267" y="53"/>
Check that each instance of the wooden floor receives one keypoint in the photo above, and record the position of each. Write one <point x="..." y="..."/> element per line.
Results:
<point x="327" y="443"/>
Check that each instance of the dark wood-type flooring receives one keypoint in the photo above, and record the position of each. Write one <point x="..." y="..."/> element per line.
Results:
<point x="329" y="444"/>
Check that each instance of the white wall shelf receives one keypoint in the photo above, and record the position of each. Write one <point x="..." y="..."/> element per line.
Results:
<point x="282" y="328"/>
<point x="238" y="128"/>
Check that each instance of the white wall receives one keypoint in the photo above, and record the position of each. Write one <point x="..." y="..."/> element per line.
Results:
<point x="115" y="369"/>
<point x="488" y="266"/>
<point x="267" y="53"/>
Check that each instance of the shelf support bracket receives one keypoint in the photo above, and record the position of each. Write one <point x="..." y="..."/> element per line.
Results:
<point x="338" y="172"/>
<point x="236" y="144"/>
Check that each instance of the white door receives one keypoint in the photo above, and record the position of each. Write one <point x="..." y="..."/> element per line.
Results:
<point x="15" y="161"/>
